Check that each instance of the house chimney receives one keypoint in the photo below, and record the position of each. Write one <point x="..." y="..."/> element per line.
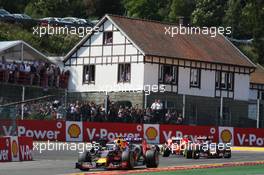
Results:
<point x="181" y="20"/>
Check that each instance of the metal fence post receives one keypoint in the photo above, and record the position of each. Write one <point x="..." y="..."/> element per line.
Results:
<point x="258" y="111"/>
<point x="221" y="110"/>
<point x="183" y="106"/>
<point x="22" y="105"/>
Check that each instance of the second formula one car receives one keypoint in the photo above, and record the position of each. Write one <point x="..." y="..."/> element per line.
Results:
<point x="204" y="147"/>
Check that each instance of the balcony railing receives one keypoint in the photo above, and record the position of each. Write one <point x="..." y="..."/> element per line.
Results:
<point x="32" y="79"/>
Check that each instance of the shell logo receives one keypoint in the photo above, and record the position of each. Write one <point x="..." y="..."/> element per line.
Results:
<point x="74" y="131"/>
<point x="14" y="148"/>
<point x="226" y="136"/>
<point x="151" y="133"/>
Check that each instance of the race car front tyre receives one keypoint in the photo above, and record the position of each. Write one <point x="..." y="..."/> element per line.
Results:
<point x="152" y="159"/>
<point x="166" y="152"/>
<point x="127" y="156"/>
<point x="84" y="157"/>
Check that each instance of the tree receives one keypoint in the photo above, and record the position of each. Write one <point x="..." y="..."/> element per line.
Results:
<point x="208" y="12"/>
<point x="254" y="14"/>
<point x="46" y="8"/>
<point x="147" y="9"/>
<point x="14" y="6"/>
<point x="233" y="18"/>
<point x="99" y="8"/>
<point x="181" y="8"/>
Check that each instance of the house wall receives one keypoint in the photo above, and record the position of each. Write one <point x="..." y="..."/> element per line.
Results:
<point x="106" y="59"/>
<point x="207" y="88"/>
<point x="253" y="94"/>
<point x="151" y="74"/>
<point x="241" y="88"/>
<point x="106" y="78"/>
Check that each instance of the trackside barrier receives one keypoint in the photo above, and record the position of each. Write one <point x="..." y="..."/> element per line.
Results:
<point x="73" y="131"/>
<point x="16" y="148"/>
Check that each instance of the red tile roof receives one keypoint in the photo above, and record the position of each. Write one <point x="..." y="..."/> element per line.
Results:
<point x="150" y="37"/>
<point x="257" y="77"/>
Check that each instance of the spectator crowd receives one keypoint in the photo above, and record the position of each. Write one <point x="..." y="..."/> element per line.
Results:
<point x="92" y="112"/>
<point x="33" y="73"/>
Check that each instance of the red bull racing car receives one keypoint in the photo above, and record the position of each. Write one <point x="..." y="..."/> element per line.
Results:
<point x="122" y="153"/>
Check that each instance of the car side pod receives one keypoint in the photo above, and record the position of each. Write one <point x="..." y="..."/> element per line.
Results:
<point x="152" y="159"/>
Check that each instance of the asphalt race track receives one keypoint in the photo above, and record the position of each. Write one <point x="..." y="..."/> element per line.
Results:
<point x="63" y="162"/>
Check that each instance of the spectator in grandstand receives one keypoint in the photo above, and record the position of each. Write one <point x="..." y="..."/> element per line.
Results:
<point x="113" y="112"/>
<point x="148" y="115"/>
<point x="85" y="112"/>
<point x="21" y="67"/>
<point x="27" y="68"/>
<point x="121" y="114"/>
<point x="179" y="119"/>
<point x="57" y="73"/>
<point x="90" y="111"/>
<point x="93" y="111"/>
<point x="33" y="74"/>
<point x="50" y="72"/>
<point x="154" y="105"/>
<point x="168" y="117"/>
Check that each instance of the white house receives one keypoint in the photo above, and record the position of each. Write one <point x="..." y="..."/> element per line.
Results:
<point x="189" y="73"/>
<point x="256" y="106"/>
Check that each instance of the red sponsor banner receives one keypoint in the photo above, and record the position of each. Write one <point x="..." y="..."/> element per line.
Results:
<point x="249" y="137"/>
<point x="94" y="130"/>
<point x="7" y="127"/>
<point x="5" y="149"/>
<point x="25" y="148"/>
<point x="168" y="131"/>
<point x="42" y="130"/>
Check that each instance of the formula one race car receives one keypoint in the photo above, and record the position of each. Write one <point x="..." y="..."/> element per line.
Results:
<point x="204" y="147"/>
<point x="174" y="145"/>
<point x="122" y="153"/>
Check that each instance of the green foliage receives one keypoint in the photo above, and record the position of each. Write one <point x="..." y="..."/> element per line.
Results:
<point x="249" y="51"/>
<point x="46" y="8"/>
<point x="208" y="12"/>
<point x="49" y="44"/>
<point x="244" y="16"/>
<point x="181" y="8"/>
<point x="233" y="17"/>
<point x="147" y="9"/>
<point x="254" y="13"/>
<point x="14" y="6"/>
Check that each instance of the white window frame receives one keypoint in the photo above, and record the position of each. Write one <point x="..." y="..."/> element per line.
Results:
<point x="89" y="79"/>
<point x="195" y="77"/>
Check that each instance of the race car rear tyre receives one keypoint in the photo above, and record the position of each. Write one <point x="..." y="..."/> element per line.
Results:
<point x="127" y="156"/>
<point x="195" y="155"/>
<point x="188" y="154"/>
<point x="227" y="155"/>
<point x="152" y="159"/>
<point x="166" y="153"/>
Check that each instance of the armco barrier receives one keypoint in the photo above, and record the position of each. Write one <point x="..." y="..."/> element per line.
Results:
<point x="16" y="148"/>
<point x="153" y="133"/>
